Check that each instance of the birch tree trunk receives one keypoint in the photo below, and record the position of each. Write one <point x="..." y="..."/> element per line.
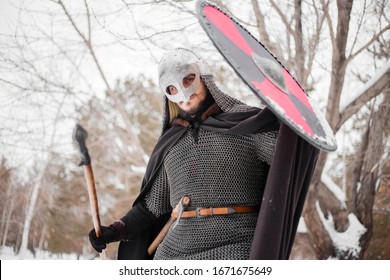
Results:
<point x="39" y="183"/>
<point x="7" y="220"/>
<point x="31" y="209"/>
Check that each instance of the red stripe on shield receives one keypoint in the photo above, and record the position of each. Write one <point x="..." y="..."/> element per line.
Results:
<point x="269" y="90"/>
<point x="227" y="27"/>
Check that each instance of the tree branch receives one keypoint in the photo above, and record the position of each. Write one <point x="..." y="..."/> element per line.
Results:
<point x="370" y="90"/>
<point x="314" y="41"/>
<point x="282" y="17"/>
<point x="88" y="44"/>
<point x="89" y="21"/>
<point x="261" y="27"/>
<point x="86" y="41"/>
<point x="300" y="53"/>
<point x="366" y="45"/>
<point x="325" y="8"/>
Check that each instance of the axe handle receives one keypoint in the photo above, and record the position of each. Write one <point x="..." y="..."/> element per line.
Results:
<point x="93" y="202"/>
<point x="159" y="238"/>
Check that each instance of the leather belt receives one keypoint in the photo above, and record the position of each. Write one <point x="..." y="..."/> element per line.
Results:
<point x="202" y="212"/>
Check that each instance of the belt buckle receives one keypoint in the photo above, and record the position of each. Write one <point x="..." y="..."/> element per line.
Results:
<point x="197" y="211"/>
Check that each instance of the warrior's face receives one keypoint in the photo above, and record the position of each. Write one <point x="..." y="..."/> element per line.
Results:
<point x="192" y="105"/>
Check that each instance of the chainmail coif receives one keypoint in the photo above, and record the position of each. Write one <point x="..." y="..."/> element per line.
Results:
<point x="214" y="170"/>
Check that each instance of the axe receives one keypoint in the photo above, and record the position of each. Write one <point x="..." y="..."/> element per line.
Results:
<point x="79" y="137"/>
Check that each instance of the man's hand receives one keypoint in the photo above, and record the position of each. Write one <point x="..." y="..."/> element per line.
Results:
<point x="112" y="233"/>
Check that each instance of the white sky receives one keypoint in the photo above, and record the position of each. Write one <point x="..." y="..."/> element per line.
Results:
<point x="6" y="14"/>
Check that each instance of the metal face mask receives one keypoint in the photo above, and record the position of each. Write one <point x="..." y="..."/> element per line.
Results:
<point x="174" y="69"/>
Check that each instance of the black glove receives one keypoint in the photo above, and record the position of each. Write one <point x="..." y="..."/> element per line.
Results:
<point x="112" y="233"/>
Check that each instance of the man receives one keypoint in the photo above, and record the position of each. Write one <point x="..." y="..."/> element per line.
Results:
<point x="243" y="176"/>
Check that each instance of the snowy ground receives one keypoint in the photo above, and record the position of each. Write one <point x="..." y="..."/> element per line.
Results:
<point x="7" y="253"/>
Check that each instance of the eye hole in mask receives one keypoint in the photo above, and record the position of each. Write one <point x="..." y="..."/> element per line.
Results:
<point x="181" y="92"/>
<point x="187" y="81"/>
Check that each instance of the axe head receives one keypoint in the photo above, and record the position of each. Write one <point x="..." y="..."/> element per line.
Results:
<point x="79" y="137"/>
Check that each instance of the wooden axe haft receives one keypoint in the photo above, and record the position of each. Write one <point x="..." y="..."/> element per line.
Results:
<point x="79" y="137"/>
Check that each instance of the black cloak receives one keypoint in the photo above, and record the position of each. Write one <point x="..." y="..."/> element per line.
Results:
<point x="284" y="193"/>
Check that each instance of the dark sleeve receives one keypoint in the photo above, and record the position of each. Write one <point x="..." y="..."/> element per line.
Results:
<point x="137" y="220"/>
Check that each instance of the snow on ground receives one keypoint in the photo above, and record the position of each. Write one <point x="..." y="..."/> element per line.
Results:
<point x="7" y="253"/>
<point x="334" y="188"/>
<point x="347" y="241"/>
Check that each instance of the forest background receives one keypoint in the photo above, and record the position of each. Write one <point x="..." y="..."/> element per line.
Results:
<point x="94" y="63"/>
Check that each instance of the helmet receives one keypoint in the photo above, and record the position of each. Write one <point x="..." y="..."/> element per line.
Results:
<point x="174" y="67"/>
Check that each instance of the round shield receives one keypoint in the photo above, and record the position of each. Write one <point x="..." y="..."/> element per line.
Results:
<point x="265" y="76"/>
